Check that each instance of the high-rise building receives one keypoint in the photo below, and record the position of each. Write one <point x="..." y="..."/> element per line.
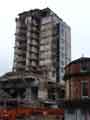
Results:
<point x="42" y="49"/>
<point x="42" y="45"/>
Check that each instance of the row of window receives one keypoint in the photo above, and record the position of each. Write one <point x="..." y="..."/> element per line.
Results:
<point x="84" y="66"/>
<point x="85" y="88"/>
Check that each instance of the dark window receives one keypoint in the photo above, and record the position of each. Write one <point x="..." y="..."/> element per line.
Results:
<point x="83" y="67"/>
<point x="34" y="92"/>
<point x="51" y="94"/>
<point x="84" y="88"/>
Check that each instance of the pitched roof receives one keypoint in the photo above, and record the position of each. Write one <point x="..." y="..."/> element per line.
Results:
<point x="79" y="60"/>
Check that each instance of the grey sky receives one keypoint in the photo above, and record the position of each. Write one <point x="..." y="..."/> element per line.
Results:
<point x="73" y="12"/>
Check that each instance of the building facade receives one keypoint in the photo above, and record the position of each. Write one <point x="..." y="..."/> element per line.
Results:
<point x="42" y="49"/>
<point x="77" y="84"/>
<point x="42" y="44"/>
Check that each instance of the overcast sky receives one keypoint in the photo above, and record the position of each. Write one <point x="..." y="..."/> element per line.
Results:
<point x="74" y="12"/>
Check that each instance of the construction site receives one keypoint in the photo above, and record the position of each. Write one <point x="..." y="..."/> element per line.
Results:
<point x="34" y="89"/>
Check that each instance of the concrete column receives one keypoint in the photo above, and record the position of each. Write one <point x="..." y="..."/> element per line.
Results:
<point x="28" y="94"/>
<point x="28" y="44"/>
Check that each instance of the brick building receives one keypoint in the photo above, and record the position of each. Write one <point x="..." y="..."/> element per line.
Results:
<point x="77" y="85"/>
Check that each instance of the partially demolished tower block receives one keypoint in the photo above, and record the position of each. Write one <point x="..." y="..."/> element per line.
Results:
<point x="42" y="49"/>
